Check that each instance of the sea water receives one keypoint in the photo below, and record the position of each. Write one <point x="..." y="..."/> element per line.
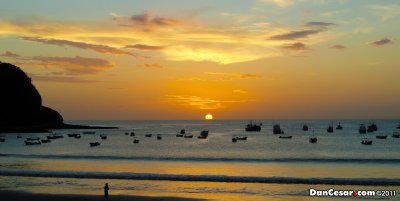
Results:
<point x="263" y="167"/>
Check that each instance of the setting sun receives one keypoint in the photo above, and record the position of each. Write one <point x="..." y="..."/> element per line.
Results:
<point x="208" y="117"/>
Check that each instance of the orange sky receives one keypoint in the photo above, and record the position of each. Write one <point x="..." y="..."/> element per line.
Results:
<point x="260" y="59"/>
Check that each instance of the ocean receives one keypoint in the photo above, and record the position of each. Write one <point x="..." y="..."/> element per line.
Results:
<point x="263" y="167"/>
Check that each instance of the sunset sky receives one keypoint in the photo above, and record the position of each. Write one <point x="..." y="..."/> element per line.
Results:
<point x="235" y="59"/>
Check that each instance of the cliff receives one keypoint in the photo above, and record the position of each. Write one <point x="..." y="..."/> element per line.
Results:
<point x="21" y="108"/>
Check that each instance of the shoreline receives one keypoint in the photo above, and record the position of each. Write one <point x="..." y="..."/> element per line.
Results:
<point x="45" y="129"/>
<point x="17" y="195"/>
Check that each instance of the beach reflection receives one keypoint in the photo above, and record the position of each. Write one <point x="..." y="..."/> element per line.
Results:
<point x="283" y="169"/>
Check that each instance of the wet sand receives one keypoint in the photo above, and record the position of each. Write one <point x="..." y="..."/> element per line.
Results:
<point x="10" y="195"/>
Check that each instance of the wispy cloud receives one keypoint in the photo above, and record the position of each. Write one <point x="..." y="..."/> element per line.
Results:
<point x="75" y="65"/>
<point x="381" y="42"/>
<point x="309" y="29"/>
<point x="9" y="54"/>
<point x="190" y="79"/>
<point x="386" y="11"/>
<point x="334" y="12"/>
<point x="235" y="75"/>
<point x="145" y="47"/>
<point x="147" y="21"/>
<point x="104" y="49"/>
<point x="280" y="3"/>
<point x="151" y="65"/>
<point x="62" y="79"/>
<point x="239" y="91"/>
<point x="363" y="30"/>
<point x="296" y="46"/>
<point x="338" y="47"/>
<point x="200" y="102"/>
<point x="294" y="35"/>
<point x="320" y="24"/>
<point x="187" y="39"/>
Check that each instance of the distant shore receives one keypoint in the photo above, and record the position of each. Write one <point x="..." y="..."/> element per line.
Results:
<point x="11" y="195"/>
<point x="43" y="129"/>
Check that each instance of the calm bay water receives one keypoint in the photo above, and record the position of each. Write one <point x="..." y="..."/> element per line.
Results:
<point x="263" y="167"/>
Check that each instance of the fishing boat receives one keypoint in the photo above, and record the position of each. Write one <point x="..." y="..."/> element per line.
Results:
<point x="234" y="139"/>
<point x="188" y="135"/>
<point x="241" y="137"/>
<point x="362" y="129"/>
<point x="89" y="132"/>
<point x="45" y="140"/>
<point x="313" y="140"/>
<point x="136" y="141"/>
<point x="381" y="136"/>
<point x="396" y="135"/>
<point x="179" y="135"/>
<point x="54" y="136"/>
<point x="339" y="127"/>
<point x="73" y="134"/>
<point x="183" y="131"/>
<point x="253" y="127"/>
<point x="32" y="138"/>
<point x="398" y="126"/>
<point x="305" y="127"/>
<point x="132" y="133"/>
<point x="159" y="137"/>
<point x="103" y="137"/>
<point x="148" y="134"/>
<point x="203" y="134"/>
<point x="77" y="136"/>
<point x="28" y="142"/>
<point x="366" y="142"/>
<point x="18" y="136"/>
<point x="372" y="128"/>
<point x="286" y="137"/>
<point x="329" y="129"/>
<point x="94" y="144"/>
<point x="2" y="139"/>
<point x="126" y="133"/>
<point x="277" y="129"/>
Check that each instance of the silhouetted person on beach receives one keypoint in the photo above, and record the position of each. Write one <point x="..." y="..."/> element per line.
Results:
<point x="106" y="188"/>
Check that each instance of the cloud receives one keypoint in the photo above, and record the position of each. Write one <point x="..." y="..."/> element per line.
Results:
<point x="363" y="30"/>
<point x="294" y="35"/>
<point x="190" y="79"/>
<point x="200" y="102"/>
<point x="296" y="46"/>
<point x="312" y="28"/>
<point x="9" y="54"/>
<point x="62" y="79"/>
<point x="104" y="49"/>
<point x="220" y="52"/>
<point x="383" y="41"/>
<point x="145" y="47"/>
<point x="320" y="24"/>
<point x="235" y="75"/>
<point x="335" y="12"/>
<point x="146" y="21"/>
<point x="151" y="65"/>
<point x="239" y="91"/>
<point x="280" y="3"/>
<point x="75" y="65"/>
<point x="386" y="11"/>
<point x="338" y="47"/>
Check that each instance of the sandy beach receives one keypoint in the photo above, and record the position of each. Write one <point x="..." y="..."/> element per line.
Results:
<point x="10" y="195"/>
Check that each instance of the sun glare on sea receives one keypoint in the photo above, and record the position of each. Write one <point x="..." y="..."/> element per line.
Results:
<point x="208" y="117"/>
